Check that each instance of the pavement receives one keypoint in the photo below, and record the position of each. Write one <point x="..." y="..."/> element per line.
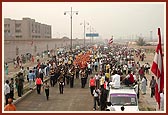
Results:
<point x="73" y="99"/>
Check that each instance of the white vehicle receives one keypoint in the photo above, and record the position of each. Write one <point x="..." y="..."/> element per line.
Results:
<point x="124" y="96"/>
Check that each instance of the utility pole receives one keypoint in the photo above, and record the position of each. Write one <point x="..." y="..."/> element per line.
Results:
<point x="151" y="35"/>
<point x="71" y="14"/>
<point x="84" y="25"/>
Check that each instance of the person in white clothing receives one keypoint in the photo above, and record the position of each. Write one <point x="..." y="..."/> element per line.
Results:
<point x="125" y="68"/>
<point x="7" y="91"/>
<point x="162" y="101"/>
<point x="96" y="93"/>
<point x="110" y="107"/>
<point x="115" y="80"/>
<point x="135" y="77"/>
<point x="143" y="85"/>
<point x="136" y="88"/>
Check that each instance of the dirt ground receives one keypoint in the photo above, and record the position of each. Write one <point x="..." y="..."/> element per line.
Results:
<point x="146" y="103"/>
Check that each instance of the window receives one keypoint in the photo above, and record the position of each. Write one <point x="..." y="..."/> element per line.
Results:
<point x="18" y="25"/>
<point x="5" y="25"/>
<point x="18" y="31"/>
<point x="18" y="36"/>
<point x="124" y="99"/>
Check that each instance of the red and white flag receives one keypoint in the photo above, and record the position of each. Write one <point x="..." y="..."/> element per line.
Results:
<point x="111" y="41"/>
<point x="158" y="70"/>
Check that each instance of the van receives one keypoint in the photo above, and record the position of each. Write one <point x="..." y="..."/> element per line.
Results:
<point x="124" y="96"/>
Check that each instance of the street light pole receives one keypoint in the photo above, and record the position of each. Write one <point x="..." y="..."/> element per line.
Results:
<point x="71" y="28"/>
<point x="84" y="25"/>
<point x="71" y="14"/>
<point x="90" y="36"/>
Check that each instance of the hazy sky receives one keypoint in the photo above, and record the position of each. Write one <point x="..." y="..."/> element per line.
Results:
<point x="122" y="20"/>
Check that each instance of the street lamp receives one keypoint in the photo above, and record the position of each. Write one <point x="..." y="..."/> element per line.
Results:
<point x="84" y="24"/>
<point x="91" y="37"/>
<point x="71" y="14"/>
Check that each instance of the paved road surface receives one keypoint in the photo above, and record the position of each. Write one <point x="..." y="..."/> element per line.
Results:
<point x="73" y="99"/>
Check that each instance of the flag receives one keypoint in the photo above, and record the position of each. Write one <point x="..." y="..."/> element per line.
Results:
<point x="157" y="69"/>
<point x="111" y="40"/>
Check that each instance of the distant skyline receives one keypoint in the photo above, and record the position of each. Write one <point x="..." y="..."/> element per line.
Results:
<point x="121" y="20"/>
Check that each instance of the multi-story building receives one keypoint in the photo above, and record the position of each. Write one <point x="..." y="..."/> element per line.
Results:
<point x="25" y="29"/>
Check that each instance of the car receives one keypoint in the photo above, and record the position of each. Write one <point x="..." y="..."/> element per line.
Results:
<point x="123" y="96"/>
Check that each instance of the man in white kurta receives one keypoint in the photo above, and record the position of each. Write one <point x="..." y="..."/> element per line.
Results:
<point x="115" y="80"/>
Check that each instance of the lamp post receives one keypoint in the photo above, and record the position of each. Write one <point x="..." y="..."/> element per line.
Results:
<point x="71" y="14"/>
<point x="84" y="25"/>
<point x="91" y="32"/>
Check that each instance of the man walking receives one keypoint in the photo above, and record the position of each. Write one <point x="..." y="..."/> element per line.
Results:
<point x="152" y="86"/>
<point x="38" y="84"/>
<point x="11" y="85"/>
<point x="61" y="83"/>
<point x="92" y="85"/>
<point x="7" y="91"/>
<point x="96" y="93"/>
<point x="31" y="77"/>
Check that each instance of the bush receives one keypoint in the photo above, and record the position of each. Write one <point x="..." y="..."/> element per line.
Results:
<point x="141" y="41"/>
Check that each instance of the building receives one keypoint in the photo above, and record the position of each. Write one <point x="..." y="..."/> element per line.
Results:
<point x="25" y="29"/>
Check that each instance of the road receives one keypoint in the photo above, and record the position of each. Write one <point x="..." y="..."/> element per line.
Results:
<point x="73" y="99"/>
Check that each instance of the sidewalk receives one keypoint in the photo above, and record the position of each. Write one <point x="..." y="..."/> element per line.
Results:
<point x="13" y="72"/>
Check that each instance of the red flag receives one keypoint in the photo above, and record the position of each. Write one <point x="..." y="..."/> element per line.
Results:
<point x="111" y="40"/>
<point x="157" y="69"/>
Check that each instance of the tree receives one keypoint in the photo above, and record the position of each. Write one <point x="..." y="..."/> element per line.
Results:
<point x="141" y="41"/>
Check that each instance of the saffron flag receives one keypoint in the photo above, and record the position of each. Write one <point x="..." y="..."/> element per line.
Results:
<point x="158" y="70"/>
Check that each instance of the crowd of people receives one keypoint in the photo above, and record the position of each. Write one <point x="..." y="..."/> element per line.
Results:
<point x="104" y="67"/>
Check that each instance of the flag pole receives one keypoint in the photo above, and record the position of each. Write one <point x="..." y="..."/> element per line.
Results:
<point x="158" y="70"/>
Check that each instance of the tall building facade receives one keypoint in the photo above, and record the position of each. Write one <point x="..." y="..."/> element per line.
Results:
<point x="26" y="29"/>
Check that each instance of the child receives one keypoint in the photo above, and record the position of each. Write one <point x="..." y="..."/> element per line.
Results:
<point x="46" y="87"/>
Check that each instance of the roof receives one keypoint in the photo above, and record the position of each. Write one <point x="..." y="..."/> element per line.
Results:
<point x="124" y="90"/>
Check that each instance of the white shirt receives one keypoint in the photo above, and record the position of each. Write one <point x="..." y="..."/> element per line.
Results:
<point x="112" y="108"/>
<point x="101" y="62"/>
<point x="129" y="65"/>
<point x="124" y="67"/>
<point x="6" y="89"/>
<point x="96" y="77"/>
<point x="40" y="70"/>
<point x="89" y="66"/>
<point x="161" y="101"/>
<point x="96" y="94"/>
<point x="116" y="81"/>
<point x="135" y="77"/>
